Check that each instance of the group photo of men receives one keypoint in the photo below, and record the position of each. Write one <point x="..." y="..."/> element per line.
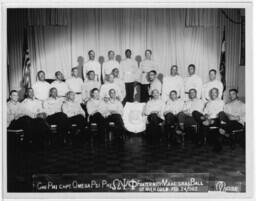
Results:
<point x="128" y="88"/>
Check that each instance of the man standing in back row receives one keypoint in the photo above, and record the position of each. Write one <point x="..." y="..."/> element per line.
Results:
<point x="92" y="65"/>
<point x="129" y="74"/>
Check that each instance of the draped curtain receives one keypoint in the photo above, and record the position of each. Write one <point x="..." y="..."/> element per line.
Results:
<point x="175" y="36"/>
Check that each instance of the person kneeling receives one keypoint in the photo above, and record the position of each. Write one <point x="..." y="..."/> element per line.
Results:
<point x="153" y="111"/>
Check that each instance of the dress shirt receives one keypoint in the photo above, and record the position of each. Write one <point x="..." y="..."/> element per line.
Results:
<point x="61" y="87"/>
<point x="104" y="90"/>
<point x="129" y="70"/>
<point x="92" y="65"/>
<point x="108" y="66"/>
<point x="172" y="83"/>
<point x="210" y="85"/>
<point x="154" y="106"/>
<point x="193" y="105"/>
<point x="80" y="71"/>
<point x="121" y="85"/>
<point x="236" y="108"/>
<point x="72" y="109"/>
<point x="75" y="84"/>
<point x="193" y="82"/>
<point x="213" y="108"/>
<point x="41" y="90"/>
<point x="155" y="84"/>
<point x="13" y="111"/>
<point x="146" y="66"/>
<point x="52" y="105"/>
<point x="174" y="107"/>
<point x="31" y="107"/>
<point x="87" y="87"/>
<point x="94" y="105"/>
<point x="107" y="108"/>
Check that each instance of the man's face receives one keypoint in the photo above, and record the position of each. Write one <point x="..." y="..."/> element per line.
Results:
<point x="174" y="71"/>
<point x="214" y="94"/>
<point x="54" y="93"/>
<point x="232" y="95"/>
<point x="148" y="55"/>
<point x="112" y="93"/>
<point x="111" y="55"/>
<point x="59" y="76"/>
<point x="151" y="76"/>
<point x="80" y="61"/>
<point x="212" y="76"/>
<point x="75" y="73"/>
<point x="155" y="94"/>
<point x="91" y="75"/>
<point x="41" y="76"/>
<point x="95" y="94"/>
<point x="92" y="55"/>
<point x="14" y="96"/>
<point x="30" y="93"/>
<point x="72" y="96"/>
<point x="173" y="96"/>
<point x="128" y="54"/>
<point x="111" y="78"/>
<point x="115" y="72"/>
<point x="192" y="94"/>
<point x="191" y="70"/>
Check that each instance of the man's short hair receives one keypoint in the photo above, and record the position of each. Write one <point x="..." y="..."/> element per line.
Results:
<point x="148" y="50"/>
<point x="174" y="66"/>
<point x="214" y="89"/>
<point x="115" y="69"/>
<point x="56" y="73"/>
<point x="213" y="70"/>
<point x="173" y="91"/>
<point x="192" y="65"/>
<point x="153" y="71"/>
<point x="235" y="90"/>
<point x="93" y="90"/>
<point x="193" y="89"/>
<point x="13" y="91"/>
<point x="51" y="89"/>
<point x="90" y="71"/>
<point x="110" y="52"/>
<point x="74" y="68"/>
<point x="41" y="71"/>
<point x="128" y="50"/>
<point x="90" y="52"/>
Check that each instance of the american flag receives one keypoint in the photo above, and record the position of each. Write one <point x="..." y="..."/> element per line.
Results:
<point x="26" y="79"/>
<point x="222" y="67"/>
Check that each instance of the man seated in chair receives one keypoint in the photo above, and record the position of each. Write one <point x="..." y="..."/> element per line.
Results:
<point x="89" y="84"/>
<point x="112" y="110"/>
<point x="186" y="120"/>
<point x="52" y="107"/>
<point x="74" y="112"/>
<point x="233" y="116"/>
<point x="209" y="118"/>
<point x="94" y="109"/>
<point x="33" y="108"/>
<point x="16" y="119"/>
<point x="153" y="111"/>
<point x="41" y="88"/>
<point x="172" y="108"/>
<point x="109" y="84"/>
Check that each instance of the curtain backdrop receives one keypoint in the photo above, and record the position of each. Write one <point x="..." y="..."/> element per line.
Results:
<point x="176" y="36"/>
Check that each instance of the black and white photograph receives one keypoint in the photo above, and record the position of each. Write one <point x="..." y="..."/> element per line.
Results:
<point x="126" y="100"/>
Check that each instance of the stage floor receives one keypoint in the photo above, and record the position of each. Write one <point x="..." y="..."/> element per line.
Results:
<point x="132" y="155"/>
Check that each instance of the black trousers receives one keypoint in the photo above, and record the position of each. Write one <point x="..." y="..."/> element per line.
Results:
<point x="230" y="124"/>
<point x="153" y="124"/>
<point x="204" y="131"/>
<point x="119" y="124"/>
<point x="24" y="123"/>
<point x="144" y="96"/>
<point x="129" y="87"/>
<point x="99" y="120"/>
<point x="61" y="120"/>
<point x="79" y="120"/>
<point x="41" y="130"/>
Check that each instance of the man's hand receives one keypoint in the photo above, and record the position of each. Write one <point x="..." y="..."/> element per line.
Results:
<point x="41" y="115"/>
